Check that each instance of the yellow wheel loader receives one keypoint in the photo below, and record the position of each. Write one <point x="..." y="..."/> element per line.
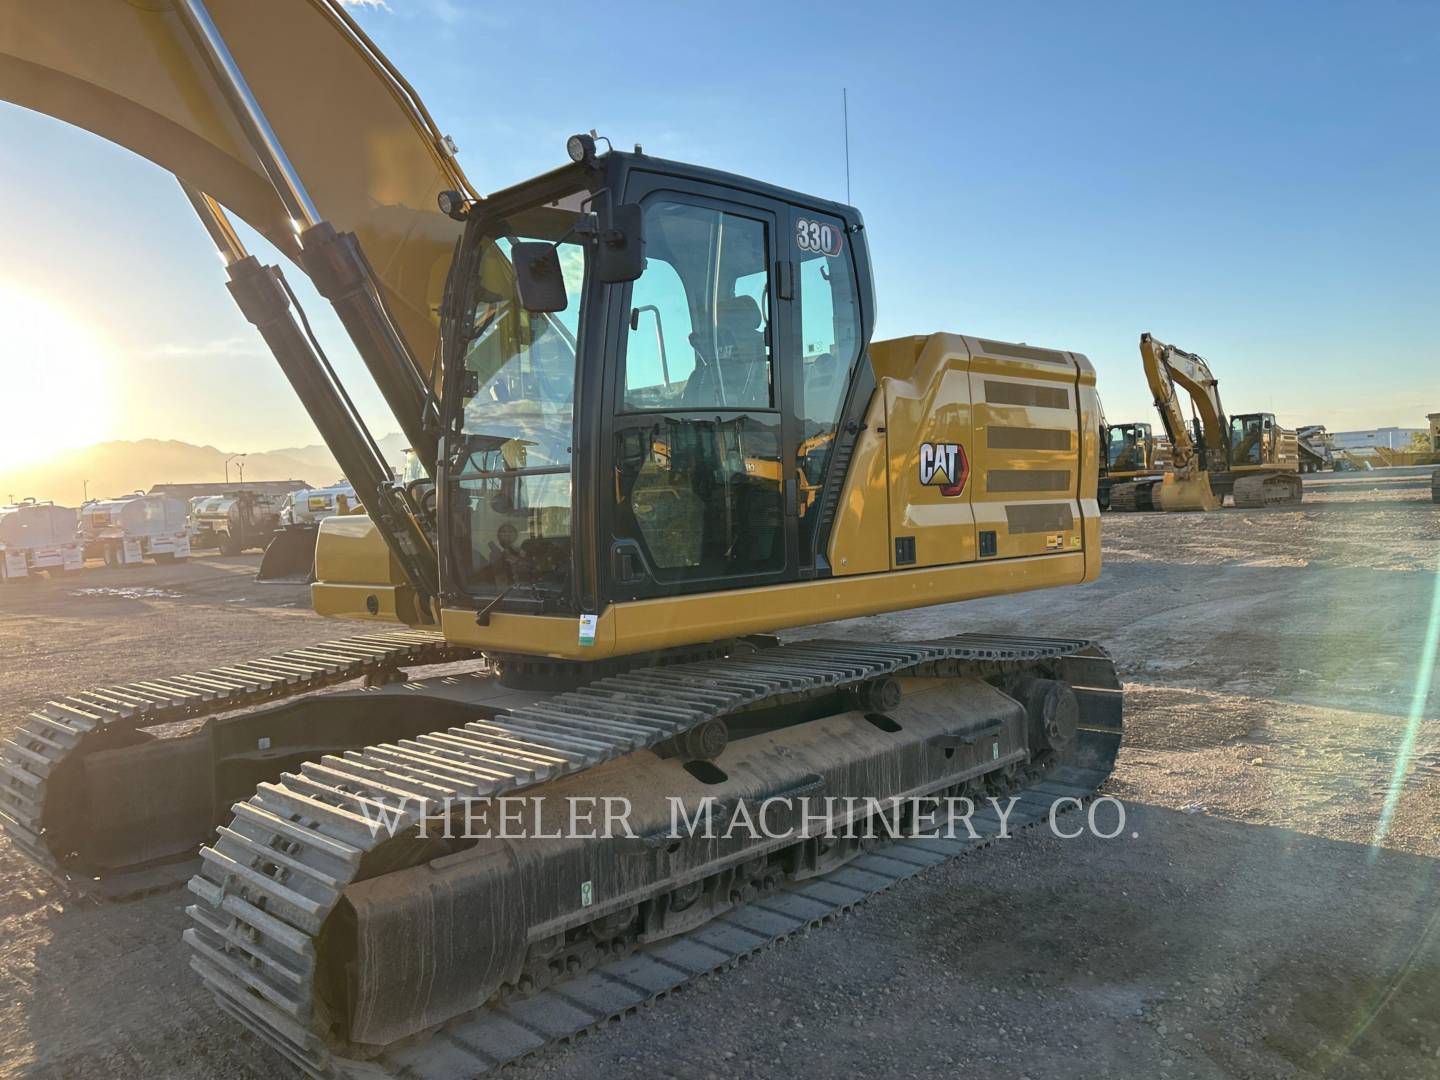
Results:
<point x="1248" y="456"/>
<point x="654" y="430"/>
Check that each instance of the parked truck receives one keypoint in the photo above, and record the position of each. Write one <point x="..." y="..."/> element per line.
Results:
<point x="236" y="521"/>
<point x="133" y="528"/>
<point x="38" y="536"/>
<point x="308" y="506"/>
<point x="1317" y="448"/>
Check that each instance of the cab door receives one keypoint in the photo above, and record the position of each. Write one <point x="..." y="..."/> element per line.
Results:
<point x="820" y="279"/>
<point x="699" y="496"/>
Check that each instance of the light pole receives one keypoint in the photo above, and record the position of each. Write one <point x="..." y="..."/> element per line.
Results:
<point x="241" y="466"/>
<point x="85" y="496"/>
<point x="229" y="459"/>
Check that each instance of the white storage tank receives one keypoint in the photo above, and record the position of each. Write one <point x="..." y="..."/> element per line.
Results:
<point x="136" y="527"/>
<point x="37" y="524"/>
<point x="38" y="536"/>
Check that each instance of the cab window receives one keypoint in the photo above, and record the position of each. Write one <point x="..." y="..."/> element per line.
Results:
<point x="1122" y="448"/>
<point x="1247" y="440"/>
<point x="510" y="499"/>
<point x="699" y="335"/>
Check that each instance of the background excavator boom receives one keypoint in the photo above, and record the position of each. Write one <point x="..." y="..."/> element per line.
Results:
<point x="1165" y="366"/>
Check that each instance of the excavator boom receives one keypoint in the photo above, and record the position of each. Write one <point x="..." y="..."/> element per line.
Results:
<point x="367" y="153"/>
<point x="345" y="182"/>
<point x="1165" y="367"/>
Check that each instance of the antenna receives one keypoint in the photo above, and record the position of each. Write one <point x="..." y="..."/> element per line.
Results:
<point x="845" y="112"/>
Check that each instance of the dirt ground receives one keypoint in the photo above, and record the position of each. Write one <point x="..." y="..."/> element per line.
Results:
<point x="1252" y="920"/>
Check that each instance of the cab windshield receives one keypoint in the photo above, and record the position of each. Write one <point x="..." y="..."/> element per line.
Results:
<point x="510" y="479"/>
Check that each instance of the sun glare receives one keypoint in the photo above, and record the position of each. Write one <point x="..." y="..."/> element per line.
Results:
<point x="55" y="372"/>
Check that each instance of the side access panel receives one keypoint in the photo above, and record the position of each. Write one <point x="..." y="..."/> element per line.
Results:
<point x="928" y="426"/>
<point x="1025" y="470"/>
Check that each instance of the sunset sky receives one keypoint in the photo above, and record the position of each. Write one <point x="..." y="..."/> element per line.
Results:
<point x="1256" y="183"/>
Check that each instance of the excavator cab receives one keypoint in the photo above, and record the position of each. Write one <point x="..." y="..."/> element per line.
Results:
<point x="1129" y="448"/>
<point x="721" y="377"/>
<point x="1128" y="453"/>
<point x="1252" y="439"/>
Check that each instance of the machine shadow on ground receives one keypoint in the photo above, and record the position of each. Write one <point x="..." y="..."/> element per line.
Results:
<point x="1277" y="953"/>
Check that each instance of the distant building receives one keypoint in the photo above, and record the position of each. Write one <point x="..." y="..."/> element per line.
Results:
<point x="1434" y="419"/>
<point x="1385" y="438"/>
<point x="265" y="487"/>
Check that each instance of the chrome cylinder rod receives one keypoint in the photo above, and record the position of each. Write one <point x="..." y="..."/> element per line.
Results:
<point x="258" y="132"/>
<point x="216" y="223"/>
<point x="333" y="260"/>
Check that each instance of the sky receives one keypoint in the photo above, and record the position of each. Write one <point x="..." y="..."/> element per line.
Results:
<point x="1253" y="182"/>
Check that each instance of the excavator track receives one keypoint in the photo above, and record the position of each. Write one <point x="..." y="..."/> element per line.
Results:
<point x="1125" y="498"/>
<point x="1270" y="489"/>
<point x="274" y="876"/>
<point x="49" y="736"/>
<point x="521" y="1027"/>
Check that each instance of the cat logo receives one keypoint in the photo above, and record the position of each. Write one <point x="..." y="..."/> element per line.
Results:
<point x="945" y="466"/>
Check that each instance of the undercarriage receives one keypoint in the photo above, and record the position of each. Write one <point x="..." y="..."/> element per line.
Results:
<point x="404" y="858"/>
<point x="1267" y="489"/>
<point x="1207" y="491"/>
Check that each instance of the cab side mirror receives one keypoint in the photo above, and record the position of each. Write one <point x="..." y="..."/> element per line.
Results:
<point x="538" y="277"/>
<point x="620" y="252"/>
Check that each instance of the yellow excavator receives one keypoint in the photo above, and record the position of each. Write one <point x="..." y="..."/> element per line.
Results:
<point x="653" y="429"/>
<point x="1248" y="456"/>
<point x="1128" y="452"/>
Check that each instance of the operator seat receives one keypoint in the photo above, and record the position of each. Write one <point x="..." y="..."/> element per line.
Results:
<point x="741" y="367"/>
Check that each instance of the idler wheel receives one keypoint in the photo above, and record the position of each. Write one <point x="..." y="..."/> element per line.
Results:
<point x="1054" y="715"/>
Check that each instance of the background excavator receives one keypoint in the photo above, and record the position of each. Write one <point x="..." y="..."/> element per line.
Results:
<point x="1247" y="456"/>
<point x="1128" y="452"/>
<point x="652" y="429"/>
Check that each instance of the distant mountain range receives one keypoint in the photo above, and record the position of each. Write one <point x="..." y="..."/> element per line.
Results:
<point x="116" y="468"/>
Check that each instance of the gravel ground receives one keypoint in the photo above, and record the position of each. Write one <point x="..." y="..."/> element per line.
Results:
<point x="1249" y="922"/>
